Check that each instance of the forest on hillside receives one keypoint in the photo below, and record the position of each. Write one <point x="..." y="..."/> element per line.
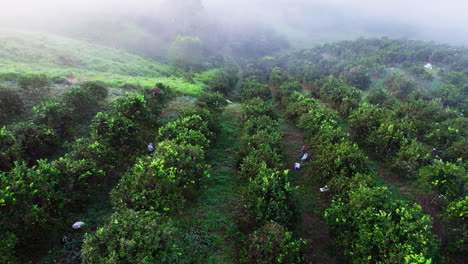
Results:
<point x="176" y="143"/>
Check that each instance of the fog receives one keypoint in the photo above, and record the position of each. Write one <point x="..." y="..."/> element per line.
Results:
<point x="304" y="22"/>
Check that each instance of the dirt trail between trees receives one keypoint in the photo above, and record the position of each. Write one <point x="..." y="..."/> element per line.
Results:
<point x="311" y="203"/>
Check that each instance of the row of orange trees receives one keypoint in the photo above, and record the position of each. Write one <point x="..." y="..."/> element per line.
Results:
<point x="156" y="189"/>
<point x="369" y="222"/>
<point x="37" y="197"/>
<point x="267" y="209"/>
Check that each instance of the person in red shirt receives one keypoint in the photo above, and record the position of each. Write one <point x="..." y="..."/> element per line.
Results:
<point x="304" y="150"/>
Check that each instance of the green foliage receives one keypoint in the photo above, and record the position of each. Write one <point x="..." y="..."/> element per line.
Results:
<point x="131" y="237"/>
<point x="298" y="105"/>
<point x="149" y="186"/>
<point x="412" y="156"/>
<point x="85" y="100"/>
<point x="31" y="200"/>
<point x="9" y="149"/>
<point x="36" y="142"/>
<point x="252" y="88"/>
<point x="224" y="80"/>
<point x="79" y="178"/>
<point x="373" y="227"/>
<point x="258" y="107"/>
<point x="213" y="102"/>
<point x="118" y="133"/>
<point x="187" y="160"/>
<point x="93" y="149"/>
<point x="8" y="242"/>
<point x="276" y="77"/>
<point x="54" y="115"/>
<point x="341" y="97"/>
<point x="157" y="97"/>
<point x="456" y="219"/>
<point x="366" y="119"/>
<point x="192" y="130"/>
<point x="273" y="244"/>
<point x="10" y="105"/>
<point x="185" y="52"/>
<point x="388" y="138"/>
<point x="398" y="85"/>
<point x="33" y="82"/>
<point x="341" y="160"/>
<point x="286" y="89"/>
<point x="445" y="178"/>
<point x="268" y="197"/>
<point x="377" y="96"/>
<point x="357" y="77"/>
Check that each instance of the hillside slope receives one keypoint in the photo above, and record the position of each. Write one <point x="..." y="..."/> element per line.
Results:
<point x="27" y="52"/>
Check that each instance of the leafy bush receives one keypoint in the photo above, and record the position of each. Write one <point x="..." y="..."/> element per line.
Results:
<point x="224" y="80"/>
<point x="446" y="178"/>
<point x="32" y="202"/>
<point x="299" y="105"/>
<point x="33" y="82"/>
<point x="172" y="129"/>
<point x="213" y="102"/>
<point x="188" y="162"/>
<point x="56" y="116"/>
<point x="78" y="179"/>
<point x="268" y="197"/>
<point x="456" y="219"/>
<point x="341" y="97"/>
<point x="257" y="107"/>
<point x="398" y="85"/>
<point x="286" y="90"/>
<point x="341" y="160"/>
<point x="374" y="227"/>
<point x="273" y="244"/>
<point x="149" y="186"/>
<point x="276" y="77"/>
<point x="411" y="157"/>
<point x="10" y="105"/>
<point x="9" y="149"/>
<point x="36" y="142"/>
<point x="120" y="134"/>
<point x="251" y="88"/>
<point x="131" y="237"/>
<point x="85" y="100"/>
<point x="185" y="52"/>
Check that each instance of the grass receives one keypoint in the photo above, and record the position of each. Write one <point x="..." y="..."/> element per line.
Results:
<point x="59" y="57"/>
<point x="214" y="212"/>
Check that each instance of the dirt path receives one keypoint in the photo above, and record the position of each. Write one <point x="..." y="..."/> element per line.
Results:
<point x="311" y="203"/>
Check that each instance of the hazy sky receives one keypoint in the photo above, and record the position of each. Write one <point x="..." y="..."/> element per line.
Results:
<point x="433" y="19"/>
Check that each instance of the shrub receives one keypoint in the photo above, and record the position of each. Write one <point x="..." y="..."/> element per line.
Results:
<point x="36" y="142"/>
<point x="374" y="227"/>
<point x="85" y="100"/>
<point x="286" y="90"/>
<point x="224" y="80"/>
<point x="257" y="107"/>
<point x="411" y="157"/>
<point x="118" y="133"/>
<point x="299" y="105"/>
<point x="268" y="197"/>
<point x="341" y="97"/>
<point x="32" y="82"/>
<point x="9" y="149"/>
<point x="131" y="237"/>
<point x="343" y="159"/>
<point x="10" y="105"/>
<point x="456" y="220"/>
<point x="32" y="202"/>
<point x="149" y="186"/>
<point x="188" y="162"/>
<point x="213" y="102"/>
<point x="273" y="244"/>
<point x="56" y="116"/>
<point x="445" y="178"/>
<point x="186" y="123"/>
<point x="251" y="88"/>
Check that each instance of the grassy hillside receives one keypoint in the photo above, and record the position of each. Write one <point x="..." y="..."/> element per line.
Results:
<point x="26" y="52"/>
